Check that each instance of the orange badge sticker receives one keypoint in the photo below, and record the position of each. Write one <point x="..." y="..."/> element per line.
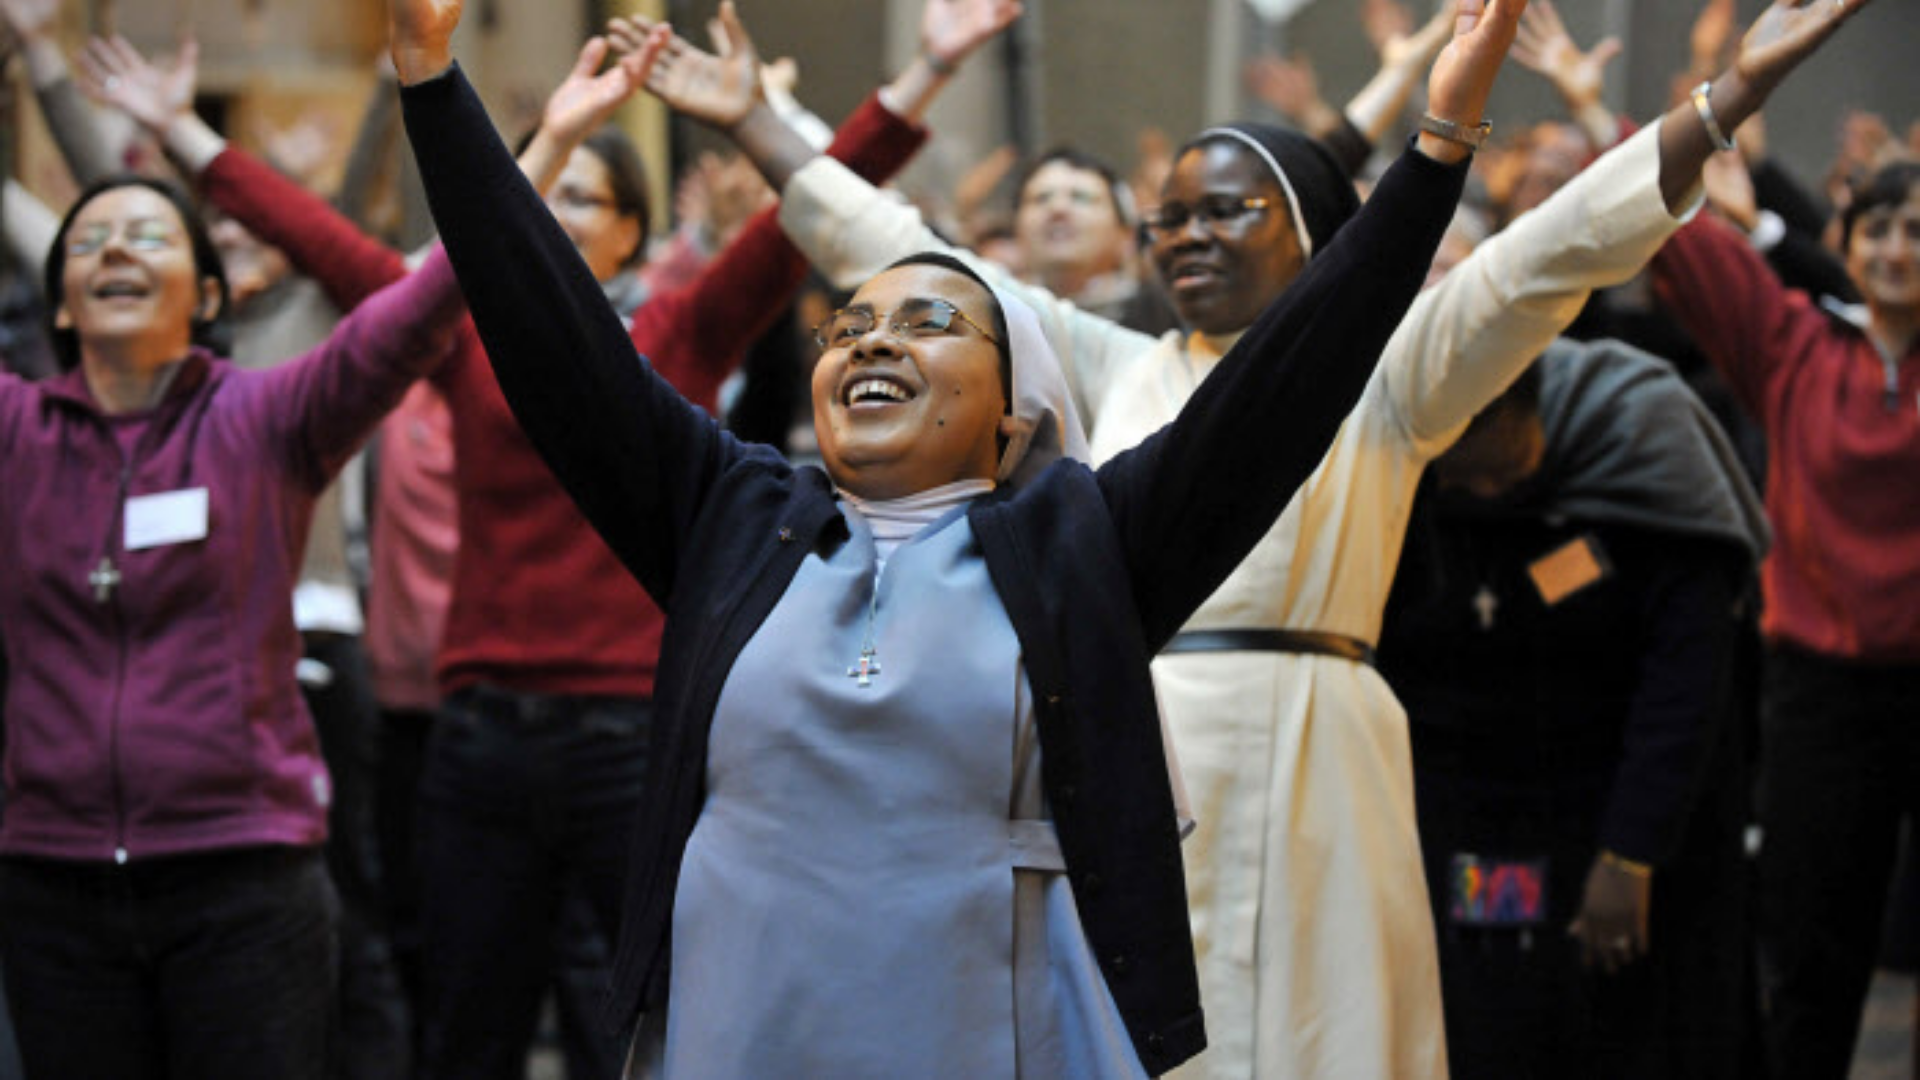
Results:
<point x="1568" y="569"/>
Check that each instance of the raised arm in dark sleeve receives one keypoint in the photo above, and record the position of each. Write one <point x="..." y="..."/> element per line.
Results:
<point x="633" y="454"/>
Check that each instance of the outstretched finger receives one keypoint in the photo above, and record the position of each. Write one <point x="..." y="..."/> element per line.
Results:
<point x="98" y="56"/>
<point x="592" y="54"/>
<point x="1604" y="52"/>
<point x="639" y="63"/>
<point x="1502" y="17"/>
<point x="1548" y="17"/>
<point x="129" y="57"/>
<point x="1467" y="17"/>
<point x="736" y="31"/>
<point x="627" y="34"/>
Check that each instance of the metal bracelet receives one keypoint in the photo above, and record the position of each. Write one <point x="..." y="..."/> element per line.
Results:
<point x="1470" y="137"/>
<point x="1703" y="104"/>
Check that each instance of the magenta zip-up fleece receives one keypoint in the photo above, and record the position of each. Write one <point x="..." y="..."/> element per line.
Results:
<point x="160" y="716"/>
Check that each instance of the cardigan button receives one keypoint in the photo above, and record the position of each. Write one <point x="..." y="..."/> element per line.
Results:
<point x="786" y="535"/>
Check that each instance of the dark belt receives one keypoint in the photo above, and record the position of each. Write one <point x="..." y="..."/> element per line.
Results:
<point x="1294" y="641"/>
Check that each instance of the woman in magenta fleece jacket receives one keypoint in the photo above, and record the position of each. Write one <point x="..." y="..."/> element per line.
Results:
<point x="164" y="911"/>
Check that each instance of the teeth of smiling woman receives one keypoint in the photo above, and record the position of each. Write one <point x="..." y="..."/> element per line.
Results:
<point x="870" y="389"/>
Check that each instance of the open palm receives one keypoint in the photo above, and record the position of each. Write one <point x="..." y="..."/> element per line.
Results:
<point x="587" y="95"/>
<point x="717" y="88"/>
<point x="114" y="72"/>
<point x="1544" y="46"/>
<point x="951" y="29"/>
<point x="1786" y="33"/>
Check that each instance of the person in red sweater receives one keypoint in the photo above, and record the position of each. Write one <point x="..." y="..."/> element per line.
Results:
<point x="548" y="655"/>
<point x="1838" y="393"/>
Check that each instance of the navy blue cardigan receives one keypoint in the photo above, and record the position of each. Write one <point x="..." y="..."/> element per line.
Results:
<point x="1097" y="569"/>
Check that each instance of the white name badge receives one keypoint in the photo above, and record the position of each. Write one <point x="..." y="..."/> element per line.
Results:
<point x="171" y="517"/>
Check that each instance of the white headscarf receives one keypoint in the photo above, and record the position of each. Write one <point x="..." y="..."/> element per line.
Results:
<point x="1046" y="425"/>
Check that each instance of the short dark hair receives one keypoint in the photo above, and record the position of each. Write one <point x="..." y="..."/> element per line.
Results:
<point x="214" y="334"/>
<point x="1890" y="185"/>
<point x="1117" y="189"/>
<point x="1004" y="340"/>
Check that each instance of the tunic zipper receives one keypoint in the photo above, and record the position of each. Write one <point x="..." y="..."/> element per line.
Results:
<point x="119" y="666"/>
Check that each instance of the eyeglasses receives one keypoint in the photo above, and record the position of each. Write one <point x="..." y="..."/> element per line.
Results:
<point x="1085" y="198"/>
<point x="1216" y="214"/>
<point x="140" y="234"/>
<point x="575" y="201"/>
<point x="914" y="319"/>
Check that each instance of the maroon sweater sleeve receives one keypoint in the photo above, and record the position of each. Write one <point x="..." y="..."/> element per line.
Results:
<point x="744" y="290"/>
<point x="320" y="242"/>
<point x="1734" y="307"/>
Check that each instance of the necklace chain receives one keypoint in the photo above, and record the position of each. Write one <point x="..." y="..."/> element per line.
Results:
<point x="869" y="663"/>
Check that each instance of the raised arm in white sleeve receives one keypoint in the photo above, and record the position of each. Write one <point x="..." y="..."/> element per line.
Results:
<point x="1468" y="337"/>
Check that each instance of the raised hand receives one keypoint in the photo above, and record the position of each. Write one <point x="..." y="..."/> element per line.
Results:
<point x="1385" y="22"/>
<point x="587" y="96"/>
<point x="1711" y="32"/>
<point x="1462" y="78"/>
<point x="30" y="19"/>
<point x="1291" y="87"/>
<point x="1544" y="46"/>
<point x="1419" y="46"/>
<point x="950" y="30"/>
<point x="112" y="71"/>
<point x="1787" y="33"/>
<point x="719" y="88"/>
<point x="420" y="36"/>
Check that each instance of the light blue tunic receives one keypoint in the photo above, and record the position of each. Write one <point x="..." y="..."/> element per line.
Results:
<point x="870" y="890"/>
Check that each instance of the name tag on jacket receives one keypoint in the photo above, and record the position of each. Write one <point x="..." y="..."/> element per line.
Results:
<point x="170" y="517"/>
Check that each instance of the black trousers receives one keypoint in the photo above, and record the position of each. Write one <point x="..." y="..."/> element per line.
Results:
<point x="1839" y="766"/>
<point x="198" y="967"/>
<point x="373" y="1037"/>
<point x="527" y="799"/>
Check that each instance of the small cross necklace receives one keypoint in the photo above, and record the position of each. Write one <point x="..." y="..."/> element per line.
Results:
<point x="869" y="664"/>
<point x="103" y="578"/>
<point x="1485" y="603"/>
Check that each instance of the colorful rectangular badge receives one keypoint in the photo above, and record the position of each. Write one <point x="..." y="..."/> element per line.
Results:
<point x="1497" y="892"/>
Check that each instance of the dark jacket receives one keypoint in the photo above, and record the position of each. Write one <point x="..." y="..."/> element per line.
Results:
<point x="1097" y="569"/>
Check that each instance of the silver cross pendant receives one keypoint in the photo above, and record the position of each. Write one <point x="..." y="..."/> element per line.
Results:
<point x="865" y="670"/>
<point x="1484" y="605"/>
